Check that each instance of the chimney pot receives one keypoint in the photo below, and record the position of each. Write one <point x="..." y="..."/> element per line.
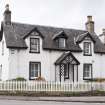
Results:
<point x="7" y="7"/>
<point x="89" y="18"/>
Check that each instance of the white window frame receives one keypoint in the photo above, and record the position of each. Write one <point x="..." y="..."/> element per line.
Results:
<point x="87" y="71"/>
<point x="33" y="76"/>
<point x="36" y="44"/>
<point x="87" y="48"/>
<point x="62" y="43"/>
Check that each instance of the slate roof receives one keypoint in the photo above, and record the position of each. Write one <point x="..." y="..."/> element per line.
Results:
<point x="15" y="33"/>
<point x="13" y="40"/>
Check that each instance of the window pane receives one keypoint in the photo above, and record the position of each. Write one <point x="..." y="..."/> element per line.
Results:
<point x="87" y="48"/>
<point x="66" y="70"/>
<point x="34" y="47"/>
<point x="87" y="70"/>
<point x="34" y="41"/>
<point x="32" y="73"/>
<point x="61" y="42"/>
<point x="34" y="69"/>
<point x="34" y="44"/>
<point x="88" y="74"/>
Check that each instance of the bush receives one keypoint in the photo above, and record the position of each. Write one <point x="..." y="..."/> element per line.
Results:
<point x="97" y="80"/>
<point x="19" y="79"/>
<point x="40" y="79"/>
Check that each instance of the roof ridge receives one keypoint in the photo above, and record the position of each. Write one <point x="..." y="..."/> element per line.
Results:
<point x="57" y="27"/>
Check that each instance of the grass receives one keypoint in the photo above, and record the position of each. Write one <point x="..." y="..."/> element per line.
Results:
<point x="53" y="94"/>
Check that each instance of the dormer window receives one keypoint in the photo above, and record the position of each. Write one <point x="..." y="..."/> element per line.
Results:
<point x="34" y="45"/>
<point x="61" y="42"/>
<point x="87" y="49"/>
<point x="60" y="39"/>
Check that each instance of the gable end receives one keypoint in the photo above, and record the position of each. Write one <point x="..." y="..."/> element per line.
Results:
<point x="33" y="30"/>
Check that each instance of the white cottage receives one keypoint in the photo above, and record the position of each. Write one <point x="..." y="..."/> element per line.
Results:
<point x="56" y="54"/>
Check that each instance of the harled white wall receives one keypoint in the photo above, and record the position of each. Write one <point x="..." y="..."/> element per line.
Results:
<point x="4" y="60"/>
<point x="97" y="61"/>
<point x="19" y="62"/>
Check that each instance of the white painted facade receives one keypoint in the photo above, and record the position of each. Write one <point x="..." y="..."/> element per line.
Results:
<point x="97" y="61"/>
<point x="15" y="63"/>
<point x="4" y="62"/>
<point x="19" y="62"/>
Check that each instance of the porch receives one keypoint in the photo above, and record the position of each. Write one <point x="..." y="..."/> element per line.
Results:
<point x="67" y="68"/>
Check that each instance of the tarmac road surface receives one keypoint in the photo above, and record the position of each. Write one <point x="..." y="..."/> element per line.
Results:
<point x="19" y="102"/>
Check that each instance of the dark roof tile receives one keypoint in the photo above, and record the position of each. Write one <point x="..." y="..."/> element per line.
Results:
<point x="15" y="33"/>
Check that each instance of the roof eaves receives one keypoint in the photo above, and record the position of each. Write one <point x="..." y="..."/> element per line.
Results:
<point x="59" y="49"/>
<point x="17" y="47"/>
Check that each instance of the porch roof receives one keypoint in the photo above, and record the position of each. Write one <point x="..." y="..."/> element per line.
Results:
<point x="63" y="59"/>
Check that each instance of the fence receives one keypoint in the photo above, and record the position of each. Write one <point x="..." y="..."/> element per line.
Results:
<point x="49" y="86"/>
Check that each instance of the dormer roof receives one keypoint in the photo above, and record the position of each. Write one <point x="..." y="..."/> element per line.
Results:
<point x="60" y="34"/>
<point x="81" y="37"/>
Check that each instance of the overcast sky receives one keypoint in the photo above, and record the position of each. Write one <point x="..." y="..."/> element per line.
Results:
<point x="60" y="13"/>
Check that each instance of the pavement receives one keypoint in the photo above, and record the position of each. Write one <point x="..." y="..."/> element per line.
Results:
<point x="92" y="99"/>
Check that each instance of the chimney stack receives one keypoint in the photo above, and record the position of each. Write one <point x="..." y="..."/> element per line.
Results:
<point x="7" y="15"/>
<point x="103" y="35"/>
<point x="103" y="31"/>
<point x="90" y="24"/>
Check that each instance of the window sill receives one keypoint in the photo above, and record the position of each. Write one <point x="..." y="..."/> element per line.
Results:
<point x="32" y="78"/>
<point x="87" y="78"/>
<point x="66" y="77"/>
<point x="87" y="54"/>
<point x="33" y="52"/>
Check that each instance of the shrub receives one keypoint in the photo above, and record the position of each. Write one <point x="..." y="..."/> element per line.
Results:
<point x="40" y="79"/>
<point x="19" y="79"/>
<point x="97" y="80"/>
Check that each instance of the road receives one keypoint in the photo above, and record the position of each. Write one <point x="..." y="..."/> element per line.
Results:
<point x="14" y="102"/>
